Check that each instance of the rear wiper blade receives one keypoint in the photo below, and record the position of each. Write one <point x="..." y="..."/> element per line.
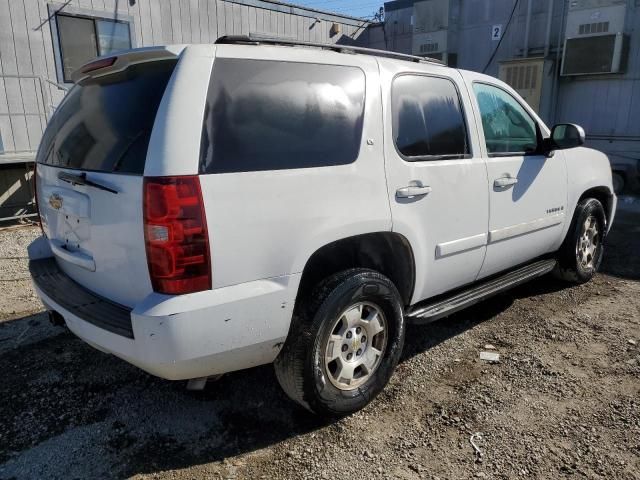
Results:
<point x="82" y="180"/>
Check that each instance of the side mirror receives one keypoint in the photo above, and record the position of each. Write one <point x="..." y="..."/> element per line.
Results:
<point x="566" y="135"/>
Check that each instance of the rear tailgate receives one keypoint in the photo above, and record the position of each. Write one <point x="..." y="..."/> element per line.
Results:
<point x="89" y="176"/>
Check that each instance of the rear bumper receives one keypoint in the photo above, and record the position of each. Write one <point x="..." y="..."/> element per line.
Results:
<point x="52" y="282"/>
<point x="188" y="336"/>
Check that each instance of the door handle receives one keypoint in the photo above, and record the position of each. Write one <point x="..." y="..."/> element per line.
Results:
<point x="504" y="182"/>
<point x="413" y="191"/>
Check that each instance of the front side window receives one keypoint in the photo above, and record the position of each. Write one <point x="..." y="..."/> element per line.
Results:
<point x="427" y="118"/>
<point x="82" y="39"/>
<point x="269" y="115"/>
<point x="508" y="128"/>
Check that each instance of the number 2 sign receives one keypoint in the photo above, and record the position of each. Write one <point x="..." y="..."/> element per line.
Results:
<point x="496" y="32"/>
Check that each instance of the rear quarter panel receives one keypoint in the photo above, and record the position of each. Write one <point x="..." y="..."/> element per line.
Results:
<point x="268" y="223"/>
<point x="174" y="148"/>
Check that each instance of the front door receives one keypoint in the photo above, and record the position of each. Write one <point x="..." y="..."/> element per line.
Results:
<point x="437" y="179"/>
<point x="527" y="190"/>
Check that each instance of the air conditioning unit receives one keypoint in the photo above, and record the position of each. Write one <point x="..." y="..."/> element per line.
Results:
<point x="525" y="76"/>
<point x="596" y="54"/>
<point x="430" y="44"/>
<point x="587" y="18"/>
<point x="575" y="5"/>
<point x="595" y="42"/>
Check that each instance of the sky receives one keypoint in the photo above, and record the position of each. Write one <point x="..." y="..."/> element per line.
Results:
<point x="355" y="8"/>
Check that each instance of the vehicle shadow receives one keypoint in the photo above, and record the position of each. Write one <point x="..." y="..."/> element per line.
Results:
<point x="421" y="338"/>
<point x="529" y="171"/>
<point x="58" y="391"/>
<point x="622" y="250"/>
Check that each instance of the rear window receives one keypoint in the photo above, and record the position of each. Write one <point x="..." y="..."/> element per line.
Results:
<point x="104" y="124"/>
<point x="268" y="115"/>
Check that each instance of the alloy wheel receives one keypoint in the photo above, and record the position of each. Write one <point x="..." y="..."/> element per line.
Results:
<point x="588" y="243"/>
<point x="356" y="345"/>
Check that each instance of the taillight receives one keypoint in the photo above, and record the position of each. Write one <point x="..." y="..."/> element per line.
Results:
<point x="176" y="237"/>
<point x="98" y="64"/>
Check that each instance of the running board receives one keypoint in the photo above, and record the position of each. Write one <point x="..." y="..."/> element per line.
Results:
<point x="422" y="314"/>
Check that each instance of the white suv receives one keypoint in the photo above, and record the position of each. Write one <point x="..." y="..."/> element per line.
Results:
<point x="209" y="208"/>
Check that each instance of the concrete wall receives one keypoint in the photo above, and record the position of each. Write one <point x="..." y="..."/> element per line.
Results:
<point x="16" y="190"/>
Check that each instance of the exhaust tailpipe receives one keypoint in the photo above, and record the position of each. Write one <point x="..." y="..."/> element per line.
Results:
<point x="56" y="319"/>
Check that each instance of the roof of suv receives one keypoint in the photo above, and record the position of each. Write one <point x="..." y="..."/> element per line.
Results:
<point x="263" y="40"/>
<point x="122" y="60"/>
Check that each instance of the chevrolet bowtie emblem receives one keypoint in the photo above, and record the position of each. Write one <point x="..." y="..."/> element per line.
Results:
<point x="55" y="201"/>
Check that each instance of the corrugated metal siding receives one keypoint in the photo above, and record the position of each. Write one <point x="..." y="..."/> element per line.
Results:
<point x="607" y="106"/>
<point x="474" y="30"/>
<point x="615" y="99"/>
<point x="27" y="61"/>
<point x="28" y="74"/>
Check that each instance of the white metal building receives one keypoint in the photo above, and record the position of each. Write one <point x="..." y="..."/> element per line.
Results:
<point x="43" y="41"/>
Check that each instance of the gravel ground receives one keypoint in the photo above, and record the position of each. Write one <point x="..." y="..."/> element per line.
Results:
<point x="17" y="295"/>
<point x="564" y="399"/>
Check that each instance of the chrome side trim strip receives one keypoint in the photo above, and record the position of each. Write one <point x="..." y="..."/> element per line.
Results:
<point x="461" y="245"/>
<point x="527" y="227"/>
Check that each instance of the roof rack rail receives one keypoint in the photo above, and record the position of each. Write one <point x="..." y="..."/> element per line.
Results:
<point x="259" y="39"/>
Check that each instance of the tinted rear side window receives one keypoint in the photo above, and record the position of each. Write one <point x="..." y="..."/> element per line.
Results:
<point x="104" y="124"/>
<point x="269" y="115"/>
<point x="427" y="118"/>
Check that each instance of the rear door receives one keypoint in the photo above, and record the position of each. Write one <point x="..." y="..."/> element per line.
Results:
<point x="527" y="189"/>
<point x="437" y="179"/>
<point x="89" y="177"/>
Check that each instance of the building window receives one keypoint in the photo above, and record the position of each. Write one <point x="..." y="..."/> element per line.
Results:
<point x="83" y="38"/>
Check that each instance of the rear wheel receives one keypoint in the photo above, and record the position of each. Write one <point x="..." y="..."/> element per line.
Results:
<point x="581" y="253"/>
<point x="345" y="341"/>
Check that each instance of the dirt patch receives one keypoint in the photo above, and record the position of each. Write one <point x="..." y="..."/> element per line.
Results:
<point x="15" y="283"/>
<point x="563" y="400"/>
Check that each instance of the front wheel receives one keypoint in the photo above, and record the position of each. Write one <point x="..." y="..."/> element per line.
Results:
<point x="345" y="342"/>
<point x="581" y="253"/>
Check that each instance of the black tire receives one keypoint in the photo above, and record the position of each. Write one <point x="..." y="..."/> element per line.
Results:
<point x="300" y="366"/>
<point x="570" y="266"/>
